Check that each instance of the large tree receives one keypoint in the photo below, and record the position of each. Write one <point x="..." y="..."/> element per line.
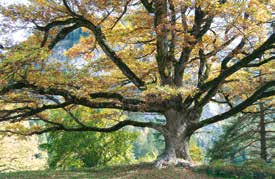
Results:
<point x="170" y="57"/>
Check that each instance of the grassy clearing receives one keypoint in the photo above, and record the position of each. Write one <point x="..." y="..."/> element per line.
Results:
<point x="145" y="171"/>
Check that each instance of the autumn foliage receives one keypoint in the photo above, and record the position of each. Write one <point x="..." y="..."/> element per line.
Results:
<point x="171" y="57"/>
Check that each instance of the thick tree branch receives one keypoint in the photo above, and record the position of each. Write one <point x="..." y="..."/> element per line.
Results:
<point x="162" y="32"/>
<point x="235" y="51"/>
<point x="55" y="24"/>
<point x="262" y="92"/>
<point x="243" y="62"/>
<point x="221" y="47"/>
<point x="260" y="63"/>
<point x="71" y="12"/>
<point x="79" y="21"/>
<point x="78" y="121"/>
<point x="51" y="25"/>
<point x="101" y="39"/>
<point x="213" y="85"/>
<point x="202" y="23"/>
<point x="19" y="114"/>
<point x="183" y="9"/>
<point x="114" y="100"/>
<point x="62" y="34"/>
<point x="36" y="89"/>
<point x="114" y="128"/>
<point x="117" y="96"/>
<point x="202" y="66"/>
<point x="172" y="30"/>
<point x="148" y="6"/>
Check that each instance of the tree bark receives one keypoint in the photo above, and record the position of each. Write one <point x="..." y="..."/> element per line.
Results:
<point x="263" y="133"/>
<point x="177" y="133"/>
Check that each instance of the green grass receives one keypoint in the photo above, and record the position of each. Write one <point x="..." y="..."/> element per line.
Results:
<point x="142" y="171"/>
<point x="240" y="172"/>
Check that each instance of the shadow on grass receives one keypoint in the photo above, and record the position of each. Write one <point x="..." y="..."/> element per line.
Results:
<point x="139" y="171"/>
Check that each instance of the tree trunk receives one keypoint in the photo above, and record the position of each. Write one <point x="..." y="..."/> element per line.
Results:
<point x="263" y="133"/>
<point x="177" y="135"/>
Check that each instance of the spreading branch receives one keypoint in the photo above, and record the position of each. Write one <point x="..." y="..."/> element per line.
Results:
<point x="111" y="101"/>
<point x="262" y="92"/>
<point x="116" y="127"/>
<point x="80" y="21"/>
<point x="15" y="115"/>
<point x="212" y="86"/>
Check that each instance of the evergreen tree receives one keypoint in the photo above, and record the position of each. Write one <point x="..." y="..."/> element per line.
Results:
<point x="243" y="138"/>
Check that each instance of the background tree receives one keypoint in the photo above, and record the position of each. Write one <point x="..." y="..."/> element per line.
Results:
<point x="88" y="149"/>
<point x="243" y="138"/>
<point x="170" y="57"/>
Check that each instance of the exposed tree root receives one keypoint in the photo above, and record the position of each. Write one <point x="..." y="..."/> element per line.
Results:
<point x="177" y="162"/>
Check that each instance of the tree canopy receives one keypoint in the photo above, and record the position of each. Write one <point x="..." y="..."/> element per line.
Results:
<point x="170" y="57"/>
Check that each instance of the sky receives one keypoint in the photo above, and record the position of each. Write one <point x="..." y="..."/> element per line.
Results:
<point x="7" y="2"/>
<point x="19" y="35"/>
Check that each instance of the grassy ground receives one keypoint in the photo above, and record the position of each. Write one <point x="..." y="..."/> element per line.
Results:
<point x="123" y="172"/>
